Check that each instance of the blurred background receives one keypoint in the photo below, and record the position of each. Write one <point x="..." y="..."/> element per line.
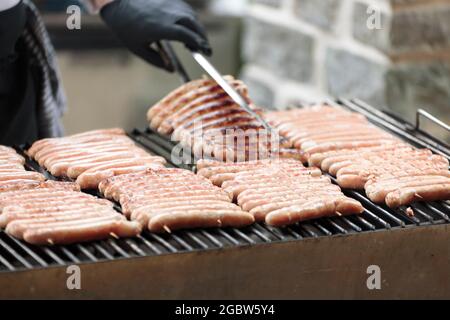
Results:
<point x="394" y="54"/>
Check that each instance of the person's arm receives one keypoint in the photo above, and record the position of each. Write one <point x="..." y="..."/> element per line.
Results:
<point x="140" y="23"/>
<point x="12" y="24"/>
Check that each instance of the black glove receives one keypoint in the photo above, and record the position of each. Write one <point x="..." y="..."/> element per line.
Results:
<point x="140" y="23"/>
<point x="12" y="24"/>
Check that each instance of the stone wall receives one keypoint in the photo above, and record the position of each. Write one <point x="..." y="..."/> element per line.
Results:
<point x="312" y="49"/>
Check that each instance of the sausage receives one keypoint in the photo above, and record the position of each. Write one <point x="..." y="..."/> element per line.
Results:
<point x="406" y="175"/>
<point x="408" y="195"/>
<point x="120" y="162"/>
<point x="343" y="205"/>
<point x="18" y="184"/>
<point x="12" y="213"/>
<point x="17" y="225"/>
<point x="199" y="218"/>
<point x="278" y="201"/>
<point x="40" y="193"/>
<point x="236" y="189"/>
<point x="197" y="107"/>
<point x="340" y="143"/>
<point x="11" y="166"/>
<point x="274" y="180"/>
<point x="219" y="179"/>
<point x="296" y="213"/>
<point x="305" y="132"/>
<point x="145" y="213"/>
<point x="113" y="190"/>
<point x="66" y="145"/>
<point x="157" y="188"/>
<point x="212" y="111"/>
<point x="74" y="152"/>
<point x="337" y="168"/>
<point x="315" y="160"/>
<point x="90" y="180"/>
<point x="329" y="146"/>
<point x="179" y="100"/>
<point x="129" y="206"/>
<point x="377" y="192"/>
<point x="359" y="154"/>
<point x="82" y="232"/>
<point x="28" y="175"/>
<point x="93" y="154"/>
<point x="210" y="171"/>
<point x="387" y="168"/>
<point x="263" y="191"/>
<point x="361" y="135"/>
<point x="90" y="136"/>
<point x="165" y="107"/>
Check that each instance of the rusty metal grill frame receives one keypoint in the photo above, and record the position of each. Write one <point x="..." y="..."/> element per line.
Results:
<point x="16" y="255"/>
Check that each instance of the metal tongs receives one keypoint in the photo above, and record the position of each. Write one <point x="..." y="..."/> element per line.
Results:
<point x="173" y="63"/>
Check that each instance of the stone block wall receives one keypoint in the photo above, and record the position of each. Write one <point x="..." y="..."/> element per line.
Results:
<point x="391" y="53"/>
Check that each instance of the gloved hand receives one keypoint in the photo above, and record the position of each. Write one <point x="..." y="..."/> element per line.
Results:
<point x="139" y="23"/>
<point x="12" y="24"/>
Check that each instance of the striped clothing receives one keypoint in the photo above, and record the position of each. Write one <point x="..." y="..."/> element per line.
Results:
<point x="51" y="98"/>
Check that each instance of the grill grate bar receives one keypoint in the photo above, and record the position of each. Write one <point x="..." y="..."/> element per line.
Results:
<point x="30" y="252"/>
<point x="295" y="234"/>
<point x="374" y="207"/>
<point x="446" y="205"/>
<point x="135" y="247"/>
<point x="337" y="227"/>
<point x="260" y="234"/>
<point x="228" y="237"/>
<point x="414" y="219"/>
<point x="149" y="245"/>
<point x="305" y="227"/>
<point x="351" y="224"/>
<point x="183" y="243"/>
<point x="377" y="219"/>
<point x="118" y="249"/>
<point x="243" y="236"/>
<point x="87" y="253"/>
<point x="322" y="228"/>
<point x="367" y="203"/>
<point x="270" y="230"/>
<point x="418" y="210"/>
<point x="438" y="212"/>
<point x="103" y="251"/>
<point x="365" y="222"/>
<point x="69" y="254"/>
<point x="15" y="254"/>
<point x="6" y="263"/>
<point x="54" y="256"/>
<point x="392" y="217"/>
<point x="196" y="239"/>
<point x="212" y="239"/>
<point x="276" y="232"/>
<point x="163" y="242"/>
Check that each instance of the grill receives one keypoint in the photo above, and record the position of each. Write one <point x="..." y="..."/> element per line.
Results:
<point x="40" y="271"/>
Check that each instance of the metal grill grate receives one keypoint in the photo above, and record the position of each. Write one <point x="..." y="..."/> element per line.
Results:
<point x="16" y="255"/>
